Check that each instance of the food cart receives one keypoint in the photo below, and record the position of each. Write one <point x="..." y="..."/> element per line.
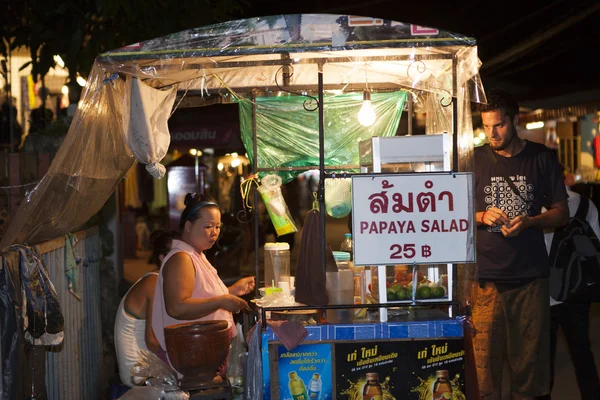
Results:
<point x="301" y="81"/>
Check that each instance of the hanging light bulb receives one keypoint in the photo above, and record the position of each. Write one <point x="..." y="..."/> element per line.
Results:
<point x="366" y="115"/>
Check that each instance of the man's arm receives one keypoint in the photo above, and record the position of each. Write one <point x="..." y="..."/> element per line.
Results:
<point x="556" y="216"/>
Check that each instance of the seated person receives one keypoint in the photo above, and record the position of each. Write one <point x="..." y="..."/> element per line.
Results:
<point x="133" y="324"/>
<point x="189" y="288"/>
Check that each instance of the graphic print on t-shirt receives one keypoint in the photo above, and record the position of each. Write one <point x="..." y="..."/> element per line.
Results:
<point x="499" y="194"/>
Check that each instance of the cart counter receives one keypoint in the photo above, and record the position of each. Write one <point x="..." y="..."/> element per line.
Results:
<point x="421" y="358"/>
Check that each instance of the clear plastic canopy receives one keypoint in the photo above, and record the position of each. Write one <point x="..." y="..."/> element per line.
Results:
<point x="132" y="91"/>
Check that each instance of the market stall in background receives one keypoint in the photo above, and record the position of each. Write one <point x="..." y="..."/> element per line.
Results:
<point x="315" y="92"/>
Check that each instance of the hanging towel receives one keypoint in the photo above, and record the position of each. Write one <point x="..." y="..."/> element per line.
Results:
<point x="71" y="265"/>
<point x="289" y="333"/>
<point x="310" y="276"/>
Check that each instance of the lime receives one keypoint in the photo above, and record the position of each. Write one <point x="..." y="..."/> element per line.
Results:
<point x="409" y="291"/>
<point x="438" y="292"/>
<point x="391" y="294"/>
<point x="395" y="287"/>
<point x="402" y="293"/>
<point x="424" y="292"/>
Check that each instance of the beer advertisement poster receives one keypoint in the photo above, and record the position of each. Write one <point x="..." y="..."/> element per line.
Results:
<point x="305" y="372"/>
<point x="437" y="369"/>
<point x="366" y="370"/>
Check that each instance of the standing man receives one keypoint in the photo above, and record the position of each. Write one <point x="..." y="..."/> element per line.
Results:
<point x="511" y="313"/>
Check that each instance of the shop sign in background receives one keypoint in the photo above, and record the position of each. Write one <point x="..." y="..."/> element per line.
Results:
<point x="422" y="218"/>
<point x="353" y="360"/>
<point x="305" y="360"/>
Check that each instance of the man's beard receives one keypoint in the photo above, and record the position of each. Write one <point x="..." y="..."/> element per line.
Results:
<point x="503" y="146"/>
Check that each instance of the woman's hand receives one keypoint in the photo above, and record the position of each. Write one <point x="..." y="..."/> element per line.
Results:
<point x="232" y="303"/>
<point x="242" y="287"/>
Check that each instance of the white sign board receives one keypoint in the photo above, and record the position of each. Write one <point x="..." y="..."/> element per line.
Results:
<point x="422" y="218"/>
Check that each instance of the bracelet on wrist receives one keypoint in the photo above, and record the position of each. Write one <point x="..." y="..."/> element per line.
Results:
<point x="482" y="216"/>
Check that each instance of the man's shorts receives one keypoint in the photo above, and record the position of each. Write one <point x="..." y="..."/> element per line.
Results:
<point x="513" y="326"/>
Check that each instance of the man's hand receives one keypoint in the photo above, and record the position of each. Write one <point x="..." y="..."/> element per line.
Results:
<point x="516" y="226"/>
<point x="494" y="217"/>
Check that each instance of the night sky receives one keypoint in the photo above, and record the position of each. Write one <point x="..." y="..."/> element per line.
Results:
<point x="537" y="49"/>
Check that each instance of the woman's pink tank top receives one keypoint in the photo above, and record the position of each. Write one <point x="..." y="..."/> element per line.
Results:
<point x="207" y="284"/>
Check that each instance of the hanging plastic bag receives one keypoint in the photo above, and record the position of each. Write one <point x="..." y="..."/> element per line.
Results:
<point x="338" y="197"/>
<point x="270" y="191"/>
<point x="236" y="361"/>
<point x="253" y="388"/>
<point x="44" y="324"/>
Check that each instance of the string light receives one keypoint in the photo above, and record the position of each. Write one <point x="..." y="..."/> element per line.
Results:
<point x="367" y="115"/>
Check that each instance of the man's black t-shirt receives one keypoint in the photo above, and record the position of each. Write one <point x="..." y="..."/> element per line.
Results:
<point x="536" y="173"/>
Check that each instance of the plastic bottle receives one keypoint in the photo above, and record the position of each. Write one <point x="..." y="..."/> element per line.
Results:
<point x="297" y="388"/>
<point x="314" y="387"/>
<point x="347" y="244"/>
<point x="372" y="390"/>
<point x="442" y="389"/>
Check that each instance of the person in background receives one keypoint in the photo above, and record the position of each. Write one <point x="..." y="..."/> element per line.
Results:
<point x="188" y="287"/>
<point x="10" y="130"/>
<point x="133" y="324"/>
<point x="574" y="317"/>
<point x="511" y="312"/>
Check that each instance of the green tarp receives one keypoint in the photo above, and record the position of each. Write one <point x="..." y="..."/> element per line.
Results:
<point x="287" y="134"/>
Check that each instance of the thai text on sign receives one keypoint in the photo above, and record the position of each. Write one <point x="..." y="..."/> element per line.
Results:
<point x="422" y="218"/>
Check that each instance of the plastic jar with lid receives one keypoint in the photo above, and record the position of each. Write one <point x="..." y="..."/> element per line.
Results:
<point x="277" y="265"/>
<point x="342" y="259"/>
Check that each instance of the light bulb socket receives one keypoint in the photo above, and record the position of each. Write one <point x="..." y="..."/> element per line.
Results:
<point x="366" y="95"/>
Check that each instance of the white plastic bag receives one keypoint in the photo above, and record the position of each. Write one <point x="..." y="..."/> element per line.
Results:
<point x="152" y="370"/>
<point x="338" y="197"/>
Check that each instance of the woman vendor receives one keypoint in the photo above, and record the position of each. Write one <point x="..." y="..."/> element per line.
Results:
<point x="188" y="287"/>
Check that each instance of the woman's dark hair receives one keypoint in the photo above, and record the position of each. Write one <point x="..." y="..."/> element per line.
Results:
<point x="194" y="202"/>
<point x="161" y="244"/>
<point x="498" y="99"/>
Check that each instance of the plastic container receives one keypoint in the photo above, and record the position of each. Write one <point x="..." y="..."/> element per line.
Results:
<point x="340" y="290"/>
<point x="342" y="259"/>
<point x="277" y="265"/>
